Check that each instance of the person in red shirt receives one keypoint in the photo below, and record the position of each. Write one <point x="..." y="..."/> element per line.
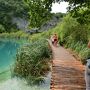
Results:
<point x="54" y="39"/>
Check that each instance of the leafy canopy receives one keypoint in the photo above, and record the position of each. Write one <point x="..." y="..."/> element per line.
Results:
<point x="39" y="11"/>
<point x="10" y="9"/>
<point x="79" y="9"/>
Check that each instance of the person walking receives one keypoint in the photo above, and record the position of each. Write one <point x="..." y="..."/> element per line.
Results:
<point x="54" y="39"/>
<point x="87" y="72"/>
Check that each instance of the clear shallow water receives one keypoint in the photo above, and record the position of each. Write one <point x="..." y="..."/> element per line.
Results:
<point x="8" y="49"/>
<point x="7" y="54"/>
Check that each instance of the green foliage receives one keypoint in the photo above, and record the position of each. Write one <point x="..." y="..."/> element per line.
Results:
<point x="59" y="15"/>
<point x="16" y="35"/>
<point x="2" y="29"/>
<point x="35" y="11"/>
<point x="75" y="36"/>
<point x="76" y="3"/>
<point x="72" y="35"/>
<point x="10" y="9"/>
<point x="69" y="29"/>
<point x="72" y="30"/>
<point x="80" y="49"/>
<point x="88" y="27"/>
<point x="32" y="62"/>
<point x="82" y="14"/>
<point x="39" y="11"/>
<point x="79" y="9"/>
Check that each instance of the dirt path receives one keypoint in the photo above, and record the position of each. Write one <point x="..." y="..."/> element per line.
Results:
<point x="67" y="72"/>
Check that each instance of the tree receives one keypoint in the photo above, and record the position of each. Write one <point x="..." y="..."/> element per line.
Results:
<point x="10" y="9"/>
<point x="35" y="11"/>
<point x="79" y="9"/>
<point x="73" y="3"/>
<point x="39" y="11"/>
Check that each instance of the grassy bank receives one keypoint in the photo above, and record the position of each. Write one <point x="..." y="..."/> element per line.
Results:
<point x="33" y="62"/>
<point x="17" y="35"/>
<point x="33" y="59"/>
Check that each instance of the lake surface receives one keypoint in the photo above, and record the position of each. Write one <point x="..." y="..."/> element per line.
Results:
<point x="8" y="49"/>
<point x="7" y="54"/>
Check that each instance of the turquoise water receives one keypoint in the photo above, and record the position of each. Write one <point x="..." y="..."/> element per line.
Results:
<point x="7" y="54"/>
<point x="8" y="49"/>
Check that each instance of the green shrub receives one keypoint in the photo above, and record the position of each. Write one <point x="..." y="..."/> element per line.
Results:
<point x="32" y="62"/>
<point x="2" y="29"/>
<point x="15" y="35"/>
<point x="80" y="48"/>
<point x="72" y="30"/>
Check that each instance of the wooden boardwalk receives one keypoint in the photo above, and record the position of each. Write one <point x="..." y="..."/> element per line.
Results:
<point x="67" y="72"/>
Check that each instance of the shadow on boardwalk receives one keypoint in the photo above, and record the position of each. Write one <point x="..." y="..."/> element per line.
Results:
<point x="67" y="72"/>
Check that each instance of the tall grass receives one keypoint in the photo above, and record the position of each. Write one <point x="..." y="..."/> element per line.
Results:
<point x="32" y="62"/>
<point x="17" y="35"/>
<point x="80" y="49"/>
<point x="72" y="35"/>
